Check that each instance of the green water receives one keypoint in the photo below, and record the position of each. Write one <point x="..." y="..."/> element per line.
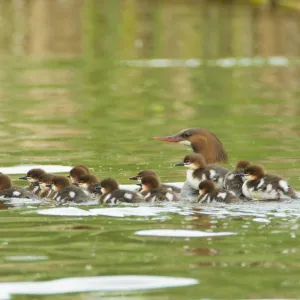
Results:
<point x="65" y="99"/>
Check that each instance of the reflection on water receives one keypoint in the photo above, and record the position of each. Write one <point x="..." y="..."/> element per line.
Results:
<point x="78" y="86"/>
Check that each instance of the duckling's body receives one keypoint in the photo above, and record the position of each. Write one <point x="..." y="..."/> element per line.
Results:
<point x="66" y="192"/>
<point x="153" y="191"/>
<point x="234" y="180"/>
<point x="89" y="183"/>
<point x="78" y="171"/>
<point x="7" y="190"/>
<point x="112" y="194"/>
<point x="202" y="141"/>
<point x="261" y="186"/>
<point x="44" y="182"/>
<point x="209" y="193"/>
<point x="32" y="177"/>
<point x="144" y="173"/>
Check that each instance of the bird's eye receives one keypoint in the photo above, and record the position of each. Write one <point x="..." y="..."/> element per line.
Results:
<point x="186" y="134"/>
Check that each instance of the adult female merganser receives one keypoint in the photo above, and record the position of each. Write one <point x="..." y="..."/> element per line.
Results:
<point x="209" y="193"/>
<point x="111" y="193"/>
<point x="202" y="141"/>
<point x="234" y="180"/>
<point x="89" y="183"/>
<point x="152" y="190"/>
<point x="44" y="182"/>
<point x="144" y="173"/>
<point x="76" y="172"/>
<point x="198" y="171"/>
<point x="7" y="190"/>
<point x="32" y="177"/>
<point x="66" y="192"/>
<point x="261" y="186"/>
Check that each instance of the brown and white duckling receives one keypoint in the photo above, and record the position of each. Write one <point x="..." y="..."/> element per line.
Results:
<point x="202" y="141"/>
<point x="144" y="173"/>
<point x="111" y="193"/>
<point x="153" y="191"/>
<point x="234" y="179"/>
<point x="45" y="182"/>
<point x="209" y="193"/>
<point x="32" y="177"/>
<point x="66" y="192"/>
<point x="89" y="183"/>
<point x="261" y="186"/>
<point x="76" y="172"/>
<point x="7" y="190"/>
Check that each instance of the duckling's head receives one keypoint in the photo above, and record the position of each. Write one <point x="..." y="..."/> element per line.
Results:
<point x="84" y="181"/>
<point x="202" y="141"/>
<point x="206" y="186"/>
<point x="142" y="174"/>
<point x="193" y="161"/>
<point x="60" y="182"/>
<point x="77" y="171"/>
<point x="108" y="185"/>
<point x="242" y="165"/>
<point x="33" y="175"/>
<point x="254" y="172"/>
<point x="5" y="182"/>
<point x="149" y="182"/>
<point x="45" y="180"/>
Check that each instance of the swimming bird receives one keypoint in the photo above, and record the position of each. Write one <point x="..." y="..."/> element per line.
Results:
<point x="144" y="173"/>
<point x="209" y="193"/>
<point x="44" y="181"/>
<point x="76" y="172"/>
<point x="66" y="192"/>
<point x="89" y="183"/>
<point x="261" y="186"/>
<point x="112" y="194"/>
<point x="8" y="190"/>
<point x="202" y="141"/>
<point x="32" y="177"/>
<point x="234" y="180"/>
<point x="152" y="190"/>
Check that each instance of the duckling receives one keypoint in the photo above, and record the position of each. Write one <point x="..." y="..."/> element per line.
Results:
<point x="44" y="182"/>
<point x="144" y="173"/>
<point x="66" y="192"/>
<point x="7" y="190"/>
<point x="32" y="177"/>
<point x="78" y="171"/>
<point x="111" y="193"/>
<point x="202" y="141"/>
<point x="152" y="190"/>
<point x="261" y="186"/>
<point x="89" y="183"/>
<point x="209" y="193"/>
<point x="234" y="180"/>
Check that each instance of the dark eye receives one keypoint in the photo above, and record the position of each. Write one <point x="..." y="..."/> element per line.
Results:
<point x="186" y="134"/>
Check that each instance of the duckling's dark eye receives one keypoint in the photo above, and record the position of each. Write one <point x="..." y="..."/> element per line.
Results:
<point x="186" y="134"/>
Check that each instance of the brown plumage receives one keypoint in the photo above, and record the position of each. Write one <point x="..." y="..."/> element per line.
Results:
<point x="89" y="182"/>
<point x="111" y="193"/>
<point x="202" y="141"/>
<point x="209" y="193"/>
<point x="44" y="182"/>
<point x="78" y="171"/>
<point x="32" y="177"/>
<point x="153" y="191"/>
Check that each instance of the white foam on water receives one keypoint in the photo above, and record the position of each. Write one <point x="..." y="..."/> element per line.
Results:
<point x="261" y="220"/>
<point x="133" y="187"/>
<point x="23" y="169"/>
<point x="181" y="233"/>
<point x="65" y="211"/>
<point x="92" y="284"/>
<point x="26" y="258"/>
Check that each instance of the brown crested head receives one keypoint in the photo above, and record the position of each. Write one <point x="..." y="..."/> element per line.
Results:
<point x="33" y="174"/>
<point x="193" y="161"/>
<point x="206" y="186"/>
<point x="46" y="178"/>
<point x="150" y="182"/>
<point x="60" y="182"/>
<point x="202" y="141"/>
<point x="109" y="185"/>
<point x="77" y="171"/>
<point x="87" y="179"/>
<point x="84" y="167"/>
<point x="5" y="182"/>
<point x="242" y="164"/>
<point x="142" y="174"/>
<point x="254" y="172"/>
